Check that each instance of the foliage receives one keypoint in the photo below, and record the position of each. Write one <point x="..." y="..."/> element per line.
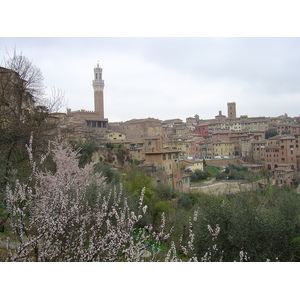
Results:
<point x="211" y="170"/>
<point x="264" y="227"/>
<point x="157" y="198"/>
<point x="237" y="172"/>
<point x="135" y="162"/>
<point x="270" y="133"/>
<point x="69" y="215"/>
<point x="165" y="192"/>
<point x="65" y="212"/>
<point x="110" y="145"/>
<point x="24" y="111"/>
<point x="85" y="149"/>
<point x="134" y="181"/>
<point x="187" y="201"/>
<point x="198" y="175"/>
<point x="112" y="175"/>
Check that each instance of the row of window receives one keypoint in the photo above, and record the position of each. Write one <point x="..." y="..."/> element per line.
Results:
<point x="170" y="156"/>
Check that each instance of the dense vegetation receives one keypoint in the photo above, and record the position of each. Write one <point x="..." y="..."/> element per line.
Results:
<point x="236" y="172"/>
<point x="254" y="226"/>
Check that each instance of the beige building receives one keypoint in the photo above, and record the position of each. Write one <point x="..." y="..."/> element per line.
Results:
<point x="246" y="147"/>
<point x="258" y="151"/>
<point x="204" y="149"/>
<point x="188" y="165"/>
<point x="139" y="128"/>
<point x="138" y="147"/>
<point x="288" y="128"/>
<point x="115" y="136"/>
<point x="254" y="124"/>
<point x="284" y="175"/>
<point x="163" y="166"/>
<point x="223" y="149"/>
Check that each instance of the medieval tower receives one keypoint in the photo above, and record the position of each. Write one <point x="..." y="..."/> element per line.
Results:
<point x="98" y="85"/>
<point x="85" y="121"/>
<point x="231" y="110"/>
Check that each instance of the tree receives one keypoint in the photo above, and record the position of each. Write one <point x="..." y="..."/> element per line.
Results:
<point x="198" y="175"/>
<point x="24" y="110"/>
<point x="68" y="215"/>
<point x="270" y="133"/>
<point x="86" y="150"/>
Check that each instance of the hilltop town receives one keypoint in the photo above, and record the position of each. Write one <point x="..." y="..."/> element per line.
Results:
<point x="76" y="187"/>
<point x="171" y="149"/>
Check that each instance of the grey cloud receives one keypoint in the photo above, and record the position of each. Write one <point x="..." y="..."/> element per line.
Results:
<point x="172" y="77"/>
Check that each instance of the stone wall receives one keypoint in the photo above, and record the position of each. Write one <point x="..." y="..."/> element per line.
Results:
<point x="228" y="187"/>
<point x="224" y="162"/>
<point x="117" y="158"/>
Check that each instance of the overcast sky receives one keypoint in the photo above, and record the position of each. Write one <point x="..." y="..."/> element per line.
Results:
<point x="168" y="78"/>
<point x="163" y="77"/>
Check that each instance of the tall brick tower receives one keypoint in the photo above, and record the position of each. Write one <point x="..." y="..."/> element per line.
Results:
<point x="98" y="85"/>
<point x="231" y="108"/>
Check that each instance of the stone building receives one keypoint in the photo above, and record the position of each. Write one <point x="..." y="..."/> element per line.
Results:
<point x="223" y="149"/>
<point x="258" y="151"/>
<point x="202" y="130"/>
<point x="163" y="166"/>
<point x="284" y="175"/>
<point x="220" y="116"/>
<point x="139" y="128"/>
<point x="204" y="149"/>
<point x="231" y="108"/>
<point x="82" y="124"/>
<point x="245" y="145"/>
<point x="115" y="136"/>
<point x="276" y="151"/>
<point x="183" y="146"/>
<point x="91" y="121"/>
<point x="189" y="165"/>
<point x="280" y="150"/>
<point x="288" y="128"/>
<point x="15" y="100"/>
<point x="138" y="147"/>
<point x="192" y="121"/>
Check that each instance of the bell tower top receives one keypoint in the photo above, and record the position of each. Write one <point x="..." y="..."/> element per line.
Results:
<point x="98" y="83"/>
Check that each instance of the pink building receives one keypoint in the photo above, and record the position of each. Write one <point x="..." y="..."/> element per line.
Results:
<point x="202" y="130"/>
